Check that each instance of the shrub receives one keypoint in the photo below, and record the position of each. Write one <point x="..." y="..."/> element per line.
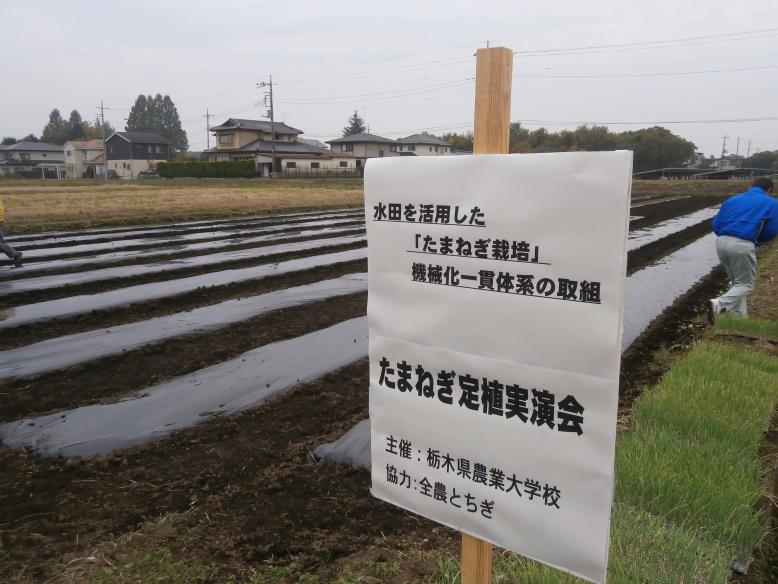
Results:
<point x="234" y="169"/>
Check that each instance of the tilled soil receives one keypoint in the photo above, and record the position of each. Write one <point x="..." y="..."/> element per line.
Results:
<point x="113" y="377"/>
<point x="245" y="485"/>
<point x="36" y="331"/>
<point x="229" y="470"/>
<point x="33" y="296"/>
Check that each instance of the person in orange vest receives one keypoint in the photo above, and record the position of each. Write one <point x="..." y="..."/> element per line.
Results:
<point x="16" y="256"/>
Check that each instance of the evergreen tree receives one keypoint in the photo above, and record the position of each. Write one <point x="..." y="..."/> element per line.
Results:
<point x="56" y="131"/>
<point x="137" y="120"/>
<point x="7" y="141"/>
<point x="30" y="138"/>
<point x="75" y="126"/>
<point x="154" y="113"/>
<point x="356" y="125"/>
<point x="158" y="114"/>
<point x="172" y="125"/>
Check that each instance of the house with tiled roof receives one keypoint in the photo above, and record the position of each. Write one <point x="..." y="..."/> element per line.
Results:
<point x="81" y="155"/>
<point x="263" y="142"/>
<point x="132" y="154"/>
<point x="27" y="158"/>
<point x="363" y="146"/>
<point x="423" y="144"/>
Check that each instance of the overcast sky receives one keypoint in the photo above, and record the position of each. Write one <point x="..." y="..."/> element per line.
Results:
<point x="406" y="65"/>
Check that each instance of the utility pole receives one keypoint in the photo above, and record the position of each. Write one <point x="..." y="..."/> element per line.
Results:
<point x="724" y="146"/>
<point x="105" y="148"/>
<point x="748" y="150"/>
<point x="208" y="117"/>
<point x="271" y="115"/>
<point x="737" y="153"/>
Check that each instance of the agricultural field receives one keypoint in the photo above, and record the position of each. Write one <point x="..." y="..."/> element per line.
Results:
<point x="181" y="363"/>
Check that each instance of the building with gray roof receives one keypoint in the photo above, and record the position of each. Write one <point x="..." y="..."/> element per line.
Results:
<point x="25" y="158"/>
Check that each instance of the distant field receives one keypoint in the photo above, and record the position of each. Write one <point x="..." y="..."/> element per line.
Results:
<point x="45" y="205"/>
<point x="39" y="205"/>
<point x="688" y="187"/>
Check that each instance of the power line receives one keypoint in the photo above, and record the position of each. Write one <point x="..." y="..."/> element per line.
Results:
<point x="720" y="37"/>
<point x="684" y="62"/>
<point x="328" y="101"/>
<point x="382" y="71"/>
<point x="662" y="74"/>
<point x="646" y="123"/>
<point x="390" y="91"/>
<point x="654" y="27"/>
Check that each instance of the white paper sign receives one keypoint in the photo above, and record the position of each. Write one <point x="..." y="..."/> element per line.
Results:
<point x="495" y="300"/>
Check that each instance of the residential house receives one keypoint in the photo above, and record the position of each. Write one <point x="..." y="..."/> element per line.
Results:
<point x="729" y="162"/>
<point x="262" y="142"/>
<point x="315" y="143"/>
<point x="82" y="155"/>
<point x="132" y="153"/>
<point x="423" y="144"/>
<point x="363" y="146"/>
<point x="29" y="157"/>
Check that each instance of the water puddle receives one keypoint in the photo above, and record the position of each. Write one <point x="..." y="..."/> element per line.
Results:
<point x="244" y="382"/>
<point x="143" y="292"/>
<point x="61" y="352"/>
<point x="57" y="281"/>
<point x="640" y="237"/>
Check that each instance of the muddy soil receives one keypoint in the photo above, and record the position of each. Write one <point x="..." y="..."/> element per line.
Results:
<point x="245" y="485"/>
<point x="116" y="376"/>
<point x="34" y="296"/>
<point x="36" y="331"/>
<point x="76" y="238"/>
<point x="651" y="214"/>
<point x="169" y="252"/>
<point x="649" y="253"/>
<point x="225" y="470"/>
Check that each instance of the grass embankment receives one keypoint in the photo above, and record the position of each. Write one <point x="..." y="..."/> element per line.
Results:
<point x="50" y="205"/>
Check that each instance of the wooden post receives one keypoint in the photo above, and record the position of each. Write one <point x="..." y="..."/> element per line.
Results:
<point x="493" y="77"/>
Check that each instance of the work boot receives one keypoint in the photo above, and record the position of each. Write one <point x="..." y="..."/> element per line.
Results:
<point x="714" y="308"/>
<point x="18" y="260"/>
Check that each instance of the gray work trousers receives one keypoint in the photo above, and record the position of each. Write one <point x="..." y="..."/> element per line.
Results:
<point x="4" y="247"/>
<point x="738" y="256"/>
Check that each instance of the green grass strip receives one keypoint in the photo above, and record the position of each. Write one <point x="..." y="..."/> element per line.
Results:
<point x="691" y="453"/>
<point x="757" y="327"/>
<point x="688" y="475"/>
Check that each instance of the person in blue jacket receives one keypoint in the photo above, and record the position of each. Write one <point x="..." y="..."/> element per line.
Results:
<point x="743" y="222"/>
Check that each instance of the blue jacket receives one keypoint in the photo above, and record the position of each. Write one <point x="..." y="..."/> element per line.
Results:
<point x="752" y="216"/>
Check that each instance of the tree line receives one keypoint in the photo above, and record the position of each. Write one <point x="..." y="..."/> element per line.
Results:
<point x="156" y="114"/>
<point x="654" y="147"/>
